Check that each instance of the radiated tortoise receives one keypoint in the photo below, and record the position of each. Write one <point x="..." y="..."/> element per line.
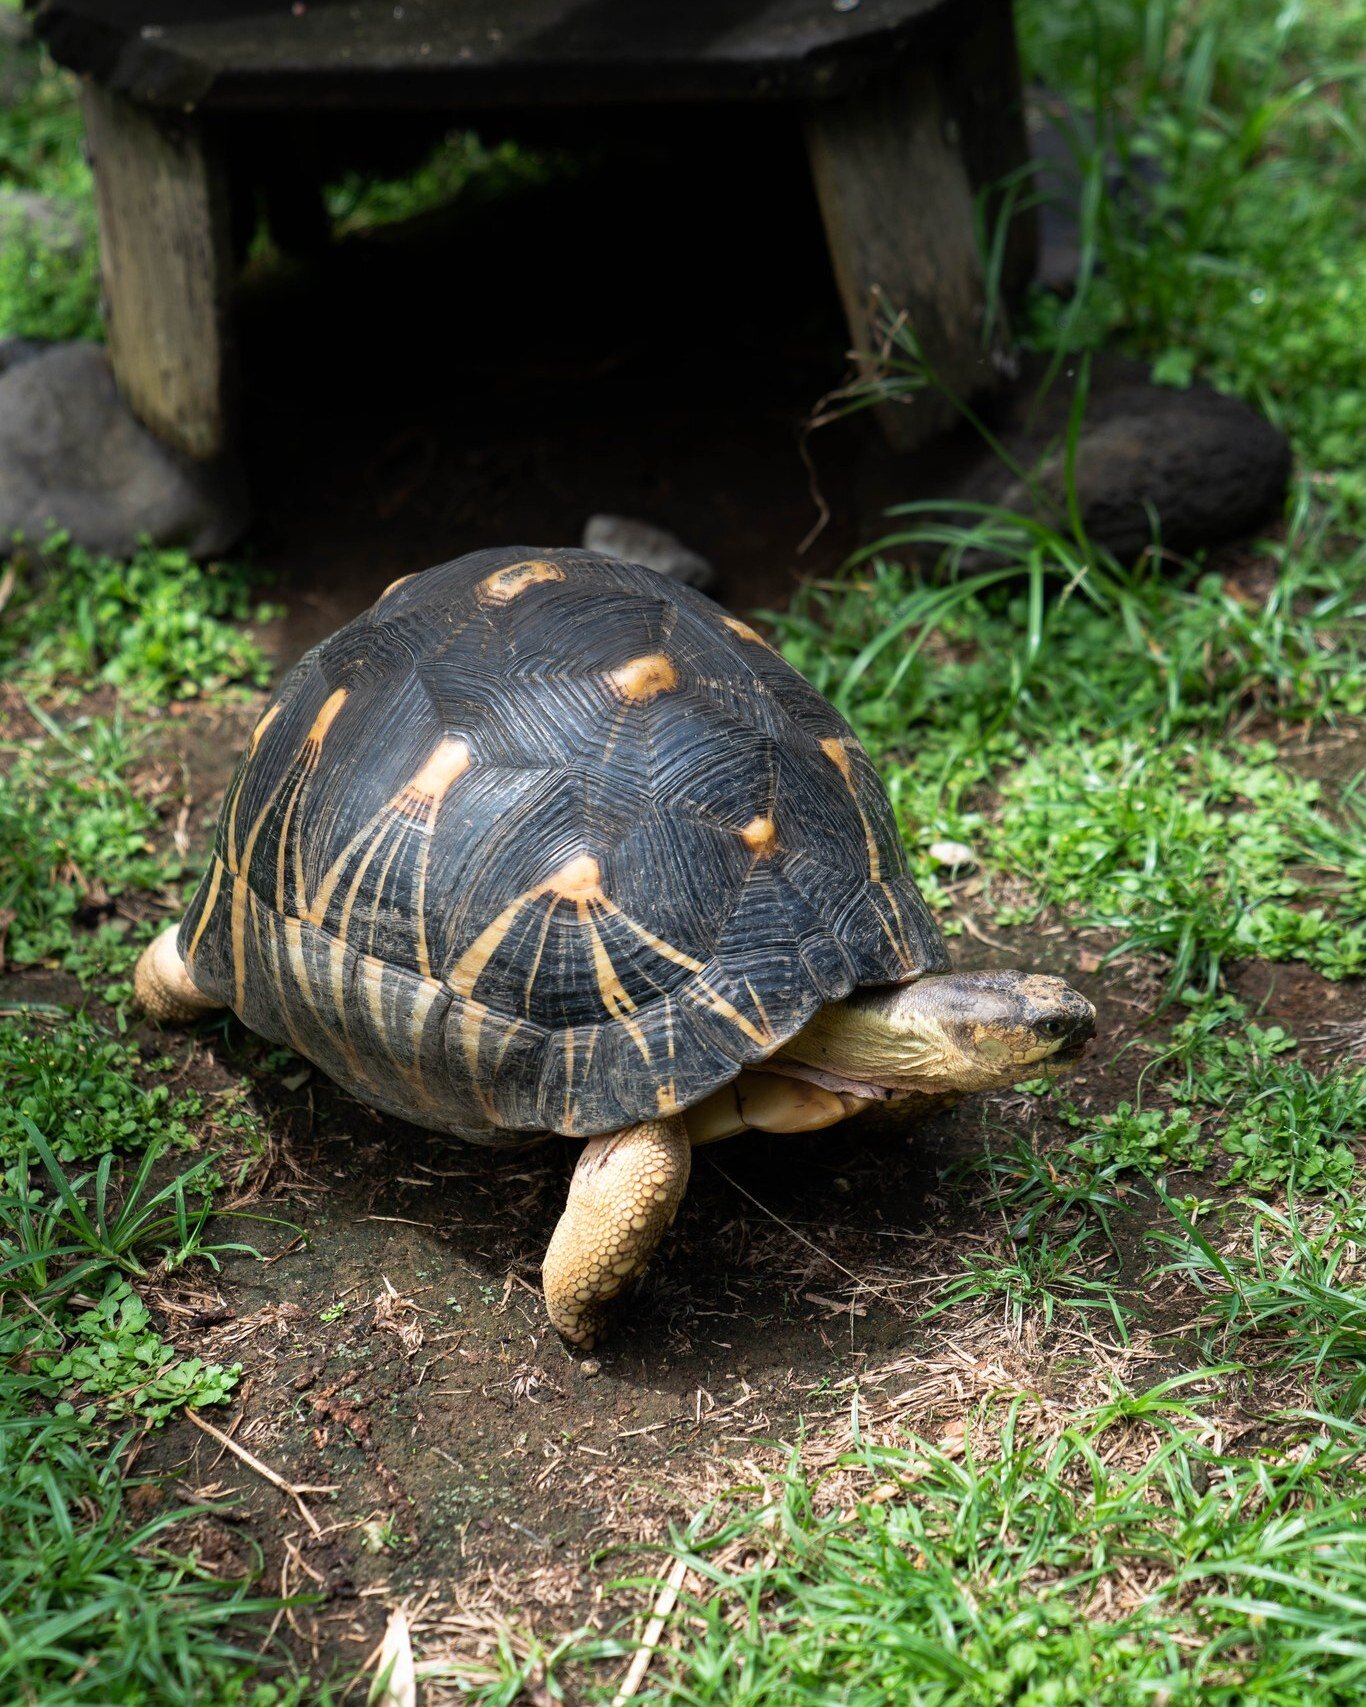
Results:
<point x="545" y="843"/>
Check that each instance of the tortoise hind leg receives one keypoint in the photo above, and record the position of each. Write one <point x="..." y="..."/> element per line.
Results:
<point x="626" y="1190"/>
<point x="162" y="986"/>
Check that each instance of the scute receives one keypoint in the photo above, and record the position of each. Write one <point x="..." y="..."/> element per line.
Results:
<point x="552" y="849"/>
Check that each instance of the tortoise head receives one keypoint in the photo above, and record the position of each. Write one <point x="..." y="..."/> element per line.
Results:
<point x="949" y="1033"/>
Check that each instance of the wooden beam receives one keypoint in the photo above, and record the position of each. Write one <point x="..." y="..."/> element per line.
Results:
<point x="897" y="169"/>
<point x="166" y="263"/>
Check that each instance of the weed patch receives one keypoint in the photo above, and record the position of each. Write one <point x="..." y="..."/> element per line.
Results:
<point x="1288" y="1295"/>
<point x="97" y="1604"/>
<point x="159" y="627"/>
<point x="75" y="834"/>
<point x="80" y="1087"/>
<point x="118" y="1359"/>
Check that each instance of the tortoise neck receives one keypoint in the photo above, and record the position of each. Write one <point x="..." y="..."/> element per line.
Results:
<point x="888" y="1038"/>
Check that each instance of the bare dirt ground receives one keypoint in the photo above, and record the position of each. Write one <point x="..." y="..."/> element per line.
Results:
<point x="394" y="1349"/>
<point x="653" y="357"/>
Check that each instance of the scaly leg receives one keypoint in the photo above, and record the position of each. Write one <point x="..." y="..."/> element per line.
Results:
<point x="162" y="986"/>
<point x="626" y="1190"/>
<point x="755" y="1101"/>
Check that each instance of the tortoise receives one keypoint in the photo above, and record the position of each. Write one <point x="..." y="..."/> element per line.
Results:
<point x="543" y="842"/>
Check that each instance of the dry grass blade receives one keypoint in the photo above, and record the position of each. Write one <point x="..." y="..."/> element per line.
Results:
<point x="640" y="1661"/>
<point x="395" y="1681"/>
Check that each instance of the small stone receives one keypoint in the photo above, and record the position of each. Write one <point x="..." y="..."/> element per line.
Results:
<point x="589" y="1368"/>
<point x="73" y="456"/>
<point x="956" y="854"/>
<point x="655" y="548"/>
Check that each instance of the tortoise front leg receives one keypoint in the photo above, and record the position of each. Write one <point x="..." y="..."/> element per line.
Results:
<point x="626" y="1190"/>
<point x="756" y="1101"/>
<point x="162" y="985"/>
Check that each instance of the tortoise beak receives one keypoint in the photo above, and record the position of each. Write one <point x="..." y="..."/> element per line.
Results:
<point x="1081" y="1028"/>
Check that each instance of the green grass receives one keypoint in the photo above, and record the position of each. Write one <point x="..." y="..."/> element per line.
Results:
<point x="1198" y="851"/>
<point x="1042" y="1568"/>
<point x="98" y="1603"/>
<point x="159" y="627"/>
<point x="459" y="168"/>
<point x="101" y="1604"/>
<point x="48" y="289"/>
<point x="75" y="834"/>
<point x="1033" y="1278"/>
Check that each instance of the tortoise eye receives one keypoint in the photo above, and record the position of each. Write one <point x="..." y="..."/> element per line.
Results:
<point x="1052" y="1028"/>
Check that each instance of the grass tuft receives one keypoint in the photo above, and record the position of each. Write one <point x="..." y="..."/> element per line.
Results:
<point x="1047" y="1570"/>
<point x="75" y="833"/>
<point x="159" y="627"/>
<point x="80" y="1087"/>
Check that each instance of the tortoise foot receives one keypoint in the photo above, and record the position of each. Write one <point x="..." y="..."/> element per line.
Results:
<point x="162" y="986"/>
<point x="626" y="1190"/>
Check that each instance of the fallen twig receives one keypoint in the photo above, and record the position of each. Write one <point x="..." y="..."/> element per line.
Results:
<point x="801" y="1238"/>
<point x="265" y="1471"/>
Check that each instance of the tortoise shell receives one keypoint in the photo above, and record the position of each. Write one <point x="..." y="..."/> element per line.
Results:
<point x="548" y="843"/>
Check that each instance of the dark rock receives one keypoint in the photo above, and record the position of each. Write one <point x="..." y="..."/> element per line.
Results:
<point x="1196" y="466"/>
<point x="16" y="350"/>
<point x="73" y="456"/>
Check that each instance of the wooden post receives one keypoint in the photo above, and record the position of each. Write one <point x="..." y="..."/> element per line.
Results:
<point x="165" y="259"/>
<point x="897" y="167"/>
